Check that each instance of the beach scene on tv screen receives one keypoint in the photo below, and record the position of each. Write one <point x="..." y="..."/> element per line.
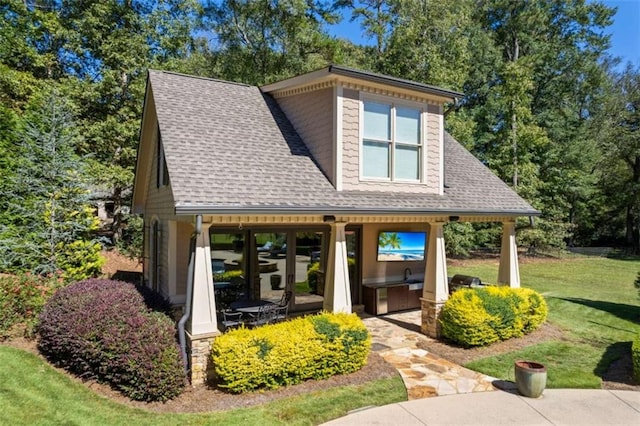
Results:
<point x="401" y="246"/>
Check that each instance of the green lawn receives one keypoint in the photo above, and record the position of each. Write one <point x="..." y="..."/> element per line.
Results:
<point x="33" y="393"/>
<point x="593" y="299"/>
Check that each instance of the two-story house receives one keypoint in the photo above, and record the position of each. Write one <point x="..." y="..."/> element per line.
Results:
<point x="334" y="185"/>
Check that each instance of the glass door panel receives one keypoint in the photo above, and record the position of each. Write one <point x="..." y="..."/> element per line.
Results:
<point x="353" y="262"/>
<point x="270" y="265"/>
<point x="308" y="259"/>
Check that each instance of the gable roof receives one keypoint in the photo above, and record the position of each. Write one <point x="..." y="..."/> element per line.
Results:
<point x="370" y="77"/>
<point x="229" y="148"/>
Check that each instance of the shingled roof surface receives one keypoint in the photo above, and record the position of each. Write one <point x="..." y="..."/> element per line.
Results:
<point x="229" y="147"/>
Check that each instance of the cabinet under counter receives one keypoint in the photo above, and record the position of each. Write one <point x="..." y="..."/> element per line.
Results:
<point x="384" y="298"/>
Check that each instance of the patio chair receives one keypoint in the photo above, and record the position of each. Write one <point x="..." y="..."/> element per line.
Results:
<point x="266" y="315"/>
<point x="281" y="313"/>
<point x="286" y="297"/>
<point x="266" y="248"/>
<point x="231" y="319"/>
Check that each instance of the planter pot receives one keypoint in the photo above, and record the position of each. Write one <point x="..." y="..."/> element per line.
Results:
<point x="531" y="378"/>
<point x="276" y="281"/>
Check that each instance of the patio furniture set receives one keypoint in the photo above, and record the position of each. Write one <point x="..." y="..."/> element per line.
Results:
<point x="254" y="313"/>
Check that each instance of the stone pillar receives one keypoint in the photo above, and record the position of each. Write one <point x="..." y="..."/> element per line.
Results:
<point x="203" y="303"/>
<point x="337" y="291"/>
<point x="200" y="359"/>
<point x="436" y="288"/>
<point x="430" y="315"/>
<point x="509" y="272"/>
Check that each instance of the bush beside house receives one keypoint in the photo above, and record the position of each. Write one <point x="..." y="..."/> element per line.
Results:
<point x="477" y="317"/>
<point x="311" y="347"/>
<point x="22" y="297"/>
<point x="102" y="329"/>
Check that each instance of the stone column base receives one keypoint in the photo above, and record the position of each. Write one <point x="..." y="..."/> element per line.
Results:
<point x="199" y="353"/>
<point x="430" y="324"/>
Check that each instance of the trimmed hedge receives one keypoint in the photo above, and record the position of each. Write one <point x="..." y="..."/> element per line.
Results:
<point x="477" y="317"/>
<point x="635" y="356"/>
<point x="311" y="347"/>
<point x="102" y="329"/>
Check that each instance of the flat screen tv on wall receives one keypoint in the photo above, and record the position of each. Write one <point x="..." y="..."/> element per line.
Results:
<point x="401" y="246"/>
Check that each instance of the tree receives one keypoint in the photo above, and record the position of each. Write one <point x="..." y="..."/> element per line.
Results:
<point x="389" y="239"/>
<point x="46" y="200"/>
<point x="258" y="42"/>
<point x="618" y="131"/>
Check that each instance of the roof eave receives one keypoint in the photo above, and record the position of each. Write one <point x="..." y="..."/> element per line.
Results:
<point x="351" y="73"/>
<point x="277" y="210"/>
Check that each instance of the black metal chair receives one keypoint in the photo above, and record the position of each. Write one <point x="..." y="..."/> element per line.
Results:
<point x="282" y="313"/>
<point x="286" y="298"/>
<point x="266" y="315"/>
<point x="231" y="319"/>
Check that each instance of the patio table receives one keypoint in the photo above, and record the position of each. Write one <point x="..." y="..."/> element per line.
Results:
<point x="249" y="306"/>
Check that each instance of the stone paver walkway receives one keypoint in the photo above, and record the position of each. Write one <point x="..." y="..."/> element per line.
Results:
<point x="395" y="338"/>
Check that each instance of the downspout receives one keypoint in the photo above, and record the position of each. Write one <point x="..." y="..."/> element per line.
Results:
<point x="187" y="308"/>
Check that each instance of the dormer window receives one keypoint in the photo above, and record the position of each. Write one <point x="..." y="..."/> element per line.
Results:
<point x="391" y="141"/>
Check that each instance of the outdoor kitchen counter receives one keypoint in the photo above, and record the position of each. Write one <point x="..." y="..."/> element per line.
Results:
<point x="386" y="297"/>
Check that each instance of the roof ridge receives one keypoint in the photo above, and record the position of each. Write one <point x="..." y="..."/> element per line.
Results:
<point x="217" y="80"/>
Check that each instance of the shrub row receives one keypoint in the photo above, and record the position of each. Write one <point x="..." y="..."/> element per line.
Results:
<point x="102" y="329"/>
<point x="22" y="297"/>
<point x="312" y="347"/>
<point x="477" y="317"/>
<point x="635" y="356"/>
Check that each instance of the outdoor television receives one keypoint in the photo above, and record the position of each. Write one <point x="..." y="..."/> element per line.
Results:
<point x="401" y="246"/>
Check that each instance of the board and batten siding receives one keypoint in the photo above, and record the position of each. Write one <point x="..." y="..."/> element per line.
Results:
<point x="311" y="114"/>
<point x="158" y="206"/>
<point x="351" y="151"/>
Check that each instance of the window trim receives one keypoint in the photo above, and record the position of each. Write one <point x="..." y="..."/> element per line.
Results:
<point x="394" y="103"/>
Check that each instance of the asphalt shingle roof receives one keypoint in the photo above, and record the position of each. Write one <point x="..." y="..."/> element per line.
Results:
<point x="229" y="147"/>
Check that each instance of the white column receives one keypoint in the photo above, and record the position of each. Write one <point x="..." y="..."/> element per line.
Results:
<point x="509" y="272"/>
<point x="203" y="303"/>
<point x="337" y="291"/>
<point x="436" y="287"/>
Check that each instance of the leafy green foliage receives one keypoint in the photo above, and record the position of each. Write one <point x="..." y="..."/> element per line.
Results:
<point x="311" y="347"/>
<point x="102" y="329"/>
<point x="635" y="356"/>
<point x="477" y="317"/>
<point x="22" y="297"/>
<point x="48" y="221"/>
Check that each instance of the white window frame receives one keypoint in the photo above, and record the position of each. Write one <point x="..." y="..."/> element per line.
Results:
<point x="421" y="146"/>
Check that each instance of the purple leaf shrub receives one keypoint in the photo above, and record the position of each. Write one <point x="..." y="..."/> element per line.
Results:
<point x="102" y="329"/>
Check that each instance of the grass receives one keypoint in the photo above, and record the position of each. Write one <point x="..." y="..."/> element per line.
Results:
<point x="592" y="299"/>
<point x="31" y="392"/>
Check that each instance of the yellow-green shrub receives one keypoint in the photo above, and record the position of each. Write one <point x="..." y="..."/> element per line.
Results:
<point x="464" y="320"/>
<point x="312" y="347"/>
<point x="476" y="317"/>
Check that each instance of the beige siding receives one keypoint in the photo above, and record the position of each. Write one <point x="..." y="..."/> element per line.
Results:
<point x="158" y="205"/>
<point x="374" y="271"/>
<point x="351" y="151"/>
<point x="350" y="140"/>
<point x="433" y="145"/>
<point x="312" y="116"/>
